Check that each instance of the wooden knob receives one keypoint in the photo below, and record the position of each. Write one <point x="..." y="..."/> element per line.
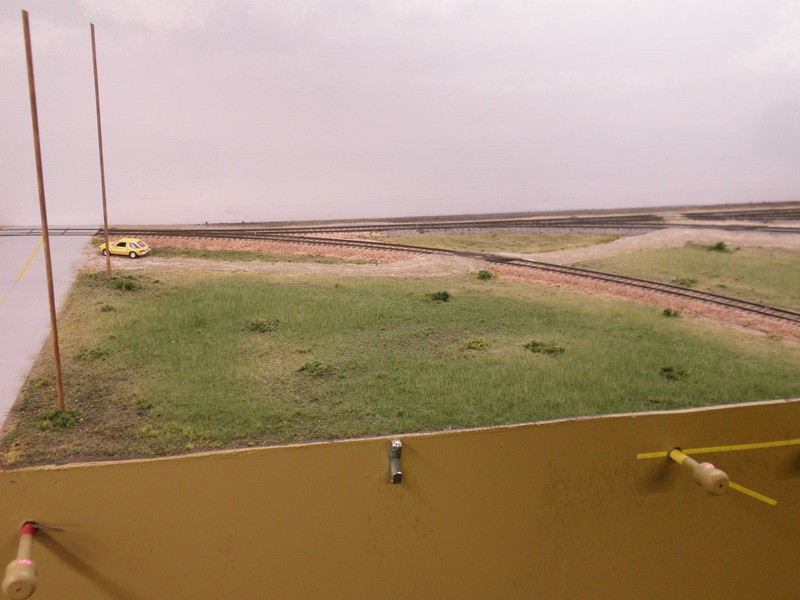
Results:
<point x="706" y="475"/>
<point x="20" y="580"/>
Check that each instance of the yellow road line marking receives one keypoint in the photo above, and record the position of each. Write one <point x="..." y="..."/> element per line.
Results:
<point x="756" y="495"/>
<point x="3" y="299"/>
<point x="756" y="446"/>
<point x="29" y="262"/>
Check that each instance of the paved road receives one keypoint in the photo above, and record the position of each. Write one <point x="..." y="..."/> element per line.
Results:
<point x="24" y="316"/>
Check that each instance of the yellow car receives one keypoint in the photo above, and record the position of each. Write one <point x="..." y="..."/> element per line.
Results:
<point x="130" y="246"/>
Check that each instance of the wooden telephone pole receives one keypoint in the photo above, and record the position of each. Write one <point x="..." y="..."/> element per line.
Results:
<point x="43" y="209"/>
<point x="102" y="162"/>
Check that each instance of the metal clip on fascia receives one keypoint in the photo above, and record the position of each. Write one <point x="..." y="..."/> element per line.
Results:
<point x="395" y="448"/>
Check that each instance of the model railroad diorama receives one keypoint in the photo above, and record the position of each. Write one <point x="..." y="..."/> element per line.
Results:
<point x="227" y="343"/>
<point x="367" y="335"/>
<point x="512" y="406"/>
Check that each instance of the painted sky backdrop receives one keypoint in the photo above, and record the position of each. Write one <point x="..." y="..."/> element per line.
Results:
<point x="254" y="110"/>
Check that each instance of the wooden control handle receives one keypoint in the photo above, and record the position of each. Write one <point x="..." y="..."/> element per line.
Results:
<point x="706" y="475"/>
<point x="20" y="580"/>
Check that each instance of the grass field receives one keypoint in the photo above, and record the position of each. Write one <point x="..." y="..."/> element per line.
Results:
<point x="189" y="361"/>
<point x="522" y="243"/>
<point x="766" y="275"/>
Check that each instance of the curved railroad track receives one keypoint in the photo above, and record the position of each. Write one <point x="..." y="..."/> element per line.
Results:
<point x="654" y="286"/>
<point x="781" y="314"/>
<point x="296" y="236"/>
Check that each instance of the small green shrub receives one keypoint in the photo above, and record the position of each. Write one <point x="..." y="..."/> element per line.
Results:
<point x="143" y="407"/>
<point x="669" y="312"/>
<point x="542" y="348"/>
<point x="673" y="373"/>
<point x="442" y="296"/>
<point x="685" y="281"/>
<point x="55" y="419"/>
<point x="125" y="283"/>
<point x="484" y="274"/>
<point x="262" y="326"/>
<point x="89" y="354"/>
<point x="148" y="431"/>
<point x="107" y="308"/>
<point x="315" y="368"/>
<point x="476" y="344"/>
<point x="718" y="247"/>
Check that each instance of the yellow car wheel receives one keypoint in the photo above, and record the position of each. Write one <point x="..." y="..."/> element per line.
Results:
<point x="105" y="252"/>
<point x="132" y="254"/>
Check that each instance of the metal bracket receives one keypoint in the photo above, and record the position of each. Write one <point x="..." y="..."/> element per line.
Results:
<point x="395" y="448"/>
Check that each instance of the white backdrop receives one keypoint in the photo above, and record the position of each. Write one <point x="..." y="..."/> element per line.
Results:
<point x="249" y="110"/>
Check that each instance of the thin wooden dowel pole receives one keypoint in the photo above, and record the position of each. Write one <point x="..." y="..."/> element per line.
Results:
<point x="102" y="161"/>
<point x="43" y="209"/>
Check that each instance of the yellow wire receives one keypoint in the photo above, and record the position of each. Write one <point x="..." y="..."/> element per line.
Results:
<point x="756" y="495"/>
<point x="756" y="446"/>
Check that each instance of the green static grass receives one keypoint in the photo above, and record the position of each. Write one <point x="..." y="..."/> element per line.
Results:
<point x="249" y="256"/>
<point x="175" y="366"/>
<point x="522" y="243"/>
<point x="767" y="275"/>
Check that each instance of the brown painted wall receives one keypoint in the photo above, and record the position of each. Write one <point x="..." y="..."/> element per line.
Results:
<point x="558" y="510"/>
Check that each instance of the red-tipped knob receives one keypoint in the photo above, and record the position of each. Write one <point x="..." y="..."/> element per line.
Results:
<point x="20" y="580"/>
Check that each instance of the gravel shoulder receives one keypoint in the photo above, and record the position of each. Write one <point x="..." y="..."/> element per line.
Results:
<point x="418" y="266"/>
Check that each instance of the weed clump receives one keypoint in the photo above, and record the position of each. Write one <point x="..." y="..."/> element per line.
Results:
<point x="671" y="312"/>
<point x="673" y="373"/>
<point x="143" y="407"/>
<point x="263" y="326"/>
<point x="442" y="296"/>
<point x="107" y="308"/>
<point x="685" y="281"/>
<point x="484" y="274"/>
<point x="89" y="354"/>
<point x="125" y="283"/>
<point x="476" y="344"/>
<point x="718" y="247"/>
<point x="55" y="419"/>
<point x="543" y="348"/>
<point x="315" y="368"/>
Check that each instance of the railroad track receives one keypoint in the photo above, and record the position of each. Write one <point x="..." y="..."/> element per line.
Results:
<point x="421" y="226"/>
<point x="521" y="224"/>
<point x="653" y="286"/>
<point x="771" y="214"/>
<point x="294" y="236"/>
